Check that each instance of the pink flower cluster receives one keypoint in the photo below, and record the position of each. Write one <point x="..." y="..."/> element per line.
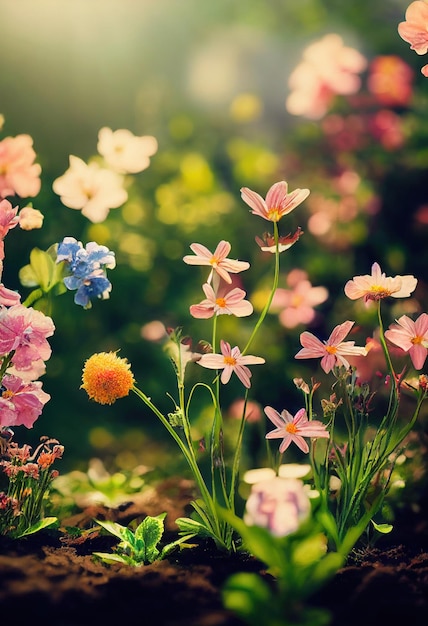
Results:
<point x="19" y="175"/>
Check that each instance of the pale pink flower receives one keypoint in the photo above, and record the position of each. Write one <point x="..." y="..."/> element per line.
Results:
<point x="278" y="504"/>
<point x="19" y="175"/>
<point x="221" y="303"/>
<point x="21" y="403"/>
<point x="8" y="297"/>
<point x="412" y="337"/>
<point x="333" y="351"/>
<point x="24" y="330"/>
<point x="278" y="201"/>
<point x="91" y="189"/>
<point x="293" y="429"/>
<point x="30" y="218"/>
<point x="328" y="68"/>
<point x="415" y="29"/>
<point x="377" y="286"/>
<point x="296" y="305"/>
<point x="124" y="152"/>
<point x="253" y="412"/>
<point x="218" y="260"/>
<point x="231" y="360"/>
<point x="267" y="242"/>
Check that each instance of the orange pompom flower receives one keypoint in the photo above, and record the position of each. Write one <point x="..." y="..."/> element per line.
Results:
<point x="106" y="377"/>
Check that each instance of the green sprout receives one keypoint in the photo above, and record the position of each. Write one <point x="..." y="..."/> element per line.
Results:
<point x="139" y="547"/>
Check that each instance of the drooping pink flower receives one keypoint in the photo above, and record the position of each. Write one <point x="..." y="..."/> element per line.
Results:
<point x="278" y="504"/>
<point x="377" y="286"/>
<point x="218" y="260"/>
<point x="328" y="68"/>
<point x="91" y="189"/>
<point x="24" y="330"/>
<point x="333" y="351"/>
<point x="8" y="297"/>
<point x="412" y="337"/>
<point x="414" y="29"/>
<point x="223" y="302"/>
<point x="296" y="304"/>
<point x="124" y="152"/>
<point x="278" y="201"/>
<point x="231" y="360"/>
<point x="253" y="412"/>
<point x="267" y="242"/>
<point x="19" y="175"/>
<point x="293" y="429"/>
<point x="21" y="403"/>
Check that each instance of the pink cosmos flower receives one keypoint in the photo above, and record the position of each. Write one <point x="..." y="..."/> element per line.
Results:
<point x="292" y="429"/>
<point x="377" y="286"/>
<point x="267" y="243"/>
<point x="328" y="68"/>
<point x="21" y="403"/>
<point x="412" y="337"/>
<point x="124" y="152"/>
<point x="333" y="351"/>
<point x="91" y="189"/>
<point x="221" y="303"/>
<point x="19" y="175"/>
<point x="278" y="504"/>
<point x="278" y="202"/>
<point x="218" y="261"/>
<point x="296" y="305"/>
<point x="230" y="360"/>
<point x="415" y="29"/>
<point x="24" y="330"/>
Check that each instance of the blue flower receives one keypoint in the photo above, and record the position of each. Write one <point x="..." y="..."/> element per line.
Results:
<point x="87" y="268"/>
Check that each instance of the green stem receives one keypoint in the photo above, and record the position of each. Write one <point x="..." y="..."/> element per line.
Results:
<point x="35" y="295"/>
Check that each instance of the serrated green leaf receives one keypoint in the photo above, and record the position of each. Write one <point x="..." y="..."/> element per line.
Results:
<point x="115" y="529"/>
<point x="151" y="530"/>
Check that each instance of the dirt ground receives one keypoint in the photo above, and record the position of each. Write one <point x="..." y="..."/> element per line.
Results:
<point x="53" y="578"/>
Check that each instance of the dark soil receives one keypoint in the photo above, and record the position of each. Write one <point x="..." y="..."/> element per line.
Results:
<point x="53" y="578"/>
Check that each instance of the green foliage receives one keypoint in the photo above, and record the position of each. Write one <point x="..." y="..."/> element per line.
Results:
<point x="139" y="547"/>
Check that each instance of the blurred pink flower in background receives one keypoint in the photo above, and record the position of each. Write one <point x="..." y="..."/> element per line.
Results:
<point x="412" y="337"/>
<point x="296" y="304"/>
<point x="278" y="504"/>
<point x="329" y="68"/>
<point x="390" y="80"/>
<point x="333" y="351"/>
<point x="387" y="127"/>
<point x="8" y="220"/>
<point x="19" y="175"/>
<point x="124" y="152"/>
<point x="91" y="189"/>
<point x="253" y="410"/>
<point x="278" y="201"/>
<point x="222" y="302"/>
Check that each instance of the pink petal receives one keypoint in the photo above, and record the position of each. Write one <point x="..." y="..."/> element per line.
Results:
<point x="244" y="375"/>
<point x="418" y="354"/>
<point x="339" y="333"/>
<point x="212" y="361"/>
<point x="226" y="374"/>
<point x="275" y="417"/>
<point x="328" y="362"/>
<point x="300" y="443"/>
<point x="277" y="195"/>
<point x="285" y="443"/>
<point x="202" y="311"/>
<point x="201" y="251"/>
<point x="255" y="201"/>
<point x="222" y="250"/>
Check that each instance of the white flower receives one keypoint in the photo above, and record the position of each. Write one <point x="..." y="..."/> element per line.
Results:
<point x="124" y="152"/>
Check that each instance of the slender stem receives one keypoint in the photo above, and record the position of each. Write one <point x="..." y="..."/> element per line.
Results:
<point x="35" y="295"/>
<point x="272" y="293"/>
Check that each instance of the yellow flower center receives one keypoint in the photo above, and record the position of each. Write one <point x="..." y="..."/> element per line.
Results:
<point x="417" y="340"/>
<point x="221" y="302"/>
<point x="291" y="428"/>
<point x="331" y="349"/>
<point x="214" y="261"/>
<point x="230" y="360"/>
<point x="7" y="394"/>
<point x="106" y="377"/>
<point x="377" y="292"/>
<point x="274" y="214"/>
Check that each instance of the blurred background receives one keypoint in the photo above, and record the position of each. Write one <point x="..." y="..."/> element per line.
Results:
<point x="211" y="81"/>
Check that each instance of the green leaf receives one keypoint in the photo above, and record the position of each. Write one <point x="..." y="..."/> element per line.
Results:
<point x="116" y="558"/>
<point x="115" y="529"/>
<point x="43" y="271"/>
<point x="44" y="523"/>
<point x="250" y="597"/>
<point x="382" y="528"/>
